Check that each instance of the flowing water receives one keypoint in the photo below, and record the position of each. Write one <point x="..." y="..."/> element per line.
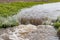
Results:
<point x="51" y="10"/>
<point x="29" y="32"/>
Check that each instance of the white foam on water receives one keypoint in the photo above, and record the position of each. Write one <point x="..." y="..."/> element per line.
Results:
<point x="50" y="10"/>
<point x="30" y="32"/>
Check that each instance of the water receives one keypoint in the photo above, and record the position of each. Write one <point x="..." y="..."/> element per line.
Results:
<point x="32" y="32"/>
<point x="50" y="11"/>
<point x="29" y="32"/>
<point x="16" y="33"/>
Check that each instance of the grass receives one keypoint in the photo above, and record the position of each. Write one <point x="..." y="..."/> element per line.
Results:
<point x="9" y="9"/>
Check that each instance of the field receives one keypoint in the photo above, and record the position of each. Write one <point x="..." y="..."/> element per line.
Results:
<point x="9" y="9"/>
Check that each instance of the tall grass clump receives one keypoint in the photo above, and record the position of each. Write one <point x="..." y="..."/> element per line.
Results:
<point x="8" y="22"/>
<point x="57" y="23"/>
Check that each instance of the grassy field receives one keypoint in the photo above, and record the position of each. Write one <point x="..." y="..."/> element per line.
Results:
<point x="9" y="9"/>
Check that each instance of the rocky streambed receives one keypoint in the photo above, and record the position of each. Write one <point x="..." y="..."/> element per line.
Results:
<point x="29" y="32"/>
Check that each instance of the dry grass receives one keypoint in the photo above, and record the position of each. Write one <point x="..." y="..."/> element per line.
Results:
<point x="31" y="21"/>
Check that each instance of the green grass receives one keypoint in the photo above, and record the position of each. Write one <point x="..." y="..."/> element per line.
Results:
<point x="9" y="9"/>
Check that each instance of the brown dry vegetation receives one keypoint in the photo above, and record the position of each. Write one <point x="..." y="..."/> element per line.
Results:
<point x="31" y="21"/>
